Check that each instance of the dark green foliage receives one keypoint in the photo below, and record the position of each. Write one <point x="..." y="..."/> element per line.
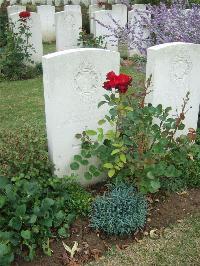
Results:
<point x="36" y="210"/>
<point x="190" y="169"/>
<point x="85" y="18"/>
<point x="89" y="41"/>
<point x="119" y="212"/>
<point x="173" y="184"/>
<point x="3" y="25"/>
<point x="23" y="152"/>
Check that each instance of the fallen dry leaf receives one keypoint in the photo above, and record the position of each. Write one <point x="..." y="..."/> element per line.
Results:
<point x="154" y="234"/>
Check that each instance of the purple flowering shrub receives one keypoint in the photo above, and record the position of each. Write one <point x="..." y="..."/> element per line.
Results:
<point x="157" y="25"/>
<point x="174" y="24"/>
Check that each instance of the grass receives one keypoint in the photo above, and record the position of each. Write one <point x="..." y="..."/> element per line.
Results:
<point x="179" y="245"/>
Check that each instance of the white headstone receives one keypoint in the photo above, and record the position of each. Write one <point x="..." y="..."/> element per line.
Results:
<point x="94" y="2"/>
<point x="15" y="9"/>
<point x="68" y="27"/>
<point x="36" y="34"/>
<point x="140" y="31"/>
<point x="24" y="2"/>
<point x="12" y="2"/>
<point x="73" y="88"/>
<point x="73" y="8"/>
<point x="72" y="2"/>
<point x="57" y="2"/>
<point x="120" y="11"/>
<point x="92" y="9"/>
<point x="50" y="2"/>
<point x="47" y="18"/>
<point x="85" y="2"/>
<point x="175" y="70"/>
<point x="106" y="18"/>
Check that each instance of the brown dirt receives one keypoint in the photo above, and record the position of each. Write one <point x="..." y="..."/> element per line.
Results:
<point x="163" y="211"/>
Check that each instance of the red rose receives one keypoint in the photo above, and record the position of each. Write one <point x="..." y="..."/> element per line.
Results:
<point x="24" y="14"/>
<point x="119" y="82"/>
<point x="111" y="75"/>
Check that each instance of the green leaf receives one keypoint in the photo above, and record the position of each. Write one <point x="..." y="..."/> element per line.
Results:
<point x="47" y="203"/>
<point x="21" y="210"/>
<point x="92" y="169"/>
<point x="3" y="182"/>
<point x="85" y="162"/>
<point x="78" y="158"/>
<point x="108" y="165"/>
<point x="91" y="132"/>
<point x="155" y="185"/>
<point x="88" y="175"/>
<point x="74" y="166"/>
<point x="60" y="215"/>
<point x="150" y="175"/>
<point x="62" y="232"/>
<point x="181" y="126"/>
<point x="107" y="97"/>
<point x="47" y="222"/>
<point x="78" y="136"/>
<point x="115" y="151"/>
<point x="2" y="201"/>
<point x="15" y="223"/>
<point x="101" y="122"/>
<point x="171" y="171"/>
<point x="26" y="234"/>
<point x="122" y="157"/>
<point x="33" y="219"/>
<point x="111" y="172"/>
<point x="101" y="103"/>
<point x="100" y="137"/>
<point x="4" y="249"/>
<point x="85" y="154"/>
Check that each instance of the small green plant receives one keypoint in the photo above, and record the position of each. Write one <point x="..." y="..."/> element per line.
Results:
<point x="34" y="211"/>
<point x="144" y="143"/>
<point x="120" y="211"/>
<point x="89" y="41"/>
<point x="24" y="153"/>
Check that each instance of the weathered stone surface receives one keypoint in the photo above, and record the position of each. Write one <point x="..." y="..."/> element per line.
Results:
<point x="68" y="27"/>
<point x="73" y="88"/>
<point x="106" y="18"/>
<point x="175" y="70"/>
<point x="47" y="18"/>
<point x="15" y="9"/>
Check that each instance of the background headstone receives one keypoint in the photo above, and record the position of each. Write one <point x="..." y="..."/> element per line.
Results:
<point x="68" y="27"/>
<point x="47" y="18"/>
<point x="92" y="9"/>
<point x="36" y="34"/>
<point x="141" y="32"/>
<point x="73" y="8"/>
<point x="15" y="9"/>
<point x="120" y="12"/>
<point x="175" y="70"/>
<point x="106" y="18"/>
<point x="73" y="88"/>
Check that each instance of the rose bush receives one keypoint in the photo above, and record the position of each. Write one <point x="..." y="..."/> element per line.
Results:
<point x="142" y="145"/>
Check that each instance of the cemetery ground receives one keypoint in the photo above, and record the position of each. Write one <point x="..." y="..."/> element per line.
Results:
<point x="172" y="233"/>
